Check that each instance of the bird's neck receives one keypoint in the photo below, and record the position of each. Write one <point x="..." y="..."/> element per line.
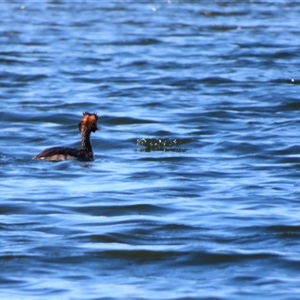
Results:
<point x="85" y="140"/>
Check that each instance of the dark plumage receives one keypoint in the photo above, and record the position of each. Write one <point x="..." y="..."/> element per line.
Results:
<point x="87" y="125"/>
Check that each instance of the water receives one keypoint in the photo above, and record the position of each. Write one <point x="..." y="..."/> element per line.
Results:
<point x="194" y="191"/>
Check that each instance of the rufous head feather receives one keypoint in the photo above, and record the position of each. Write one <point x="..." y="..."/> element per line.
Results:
<point x="89" y="121"/>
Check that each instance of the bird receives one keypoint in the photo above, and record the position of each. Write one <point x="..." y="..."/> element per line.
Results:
<point x="87" y="125"/>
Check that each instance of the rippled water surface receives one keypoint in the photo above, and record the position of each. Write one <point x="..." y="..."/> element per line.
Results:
<point x="194" y="191"/>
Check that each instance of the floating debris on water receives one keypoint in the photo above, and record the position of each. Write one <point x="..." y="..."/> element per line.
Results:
<point x="161" y="144"/>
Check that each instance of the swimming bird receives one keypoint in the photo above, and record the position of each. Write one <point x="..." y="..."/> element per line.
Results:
<point x="87" y="125"/>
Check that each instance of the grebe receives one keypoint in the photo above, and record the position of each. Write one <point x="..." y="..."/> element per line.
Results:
<point x="87" y="125"/>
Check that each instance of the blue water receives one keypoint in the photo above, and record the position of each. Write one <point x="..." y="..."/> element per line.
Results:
<point x="194" y="191"/>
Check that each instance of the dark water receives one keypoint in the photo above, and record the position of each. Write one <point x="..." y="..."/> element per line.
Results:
<point x="194" y="192"/>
